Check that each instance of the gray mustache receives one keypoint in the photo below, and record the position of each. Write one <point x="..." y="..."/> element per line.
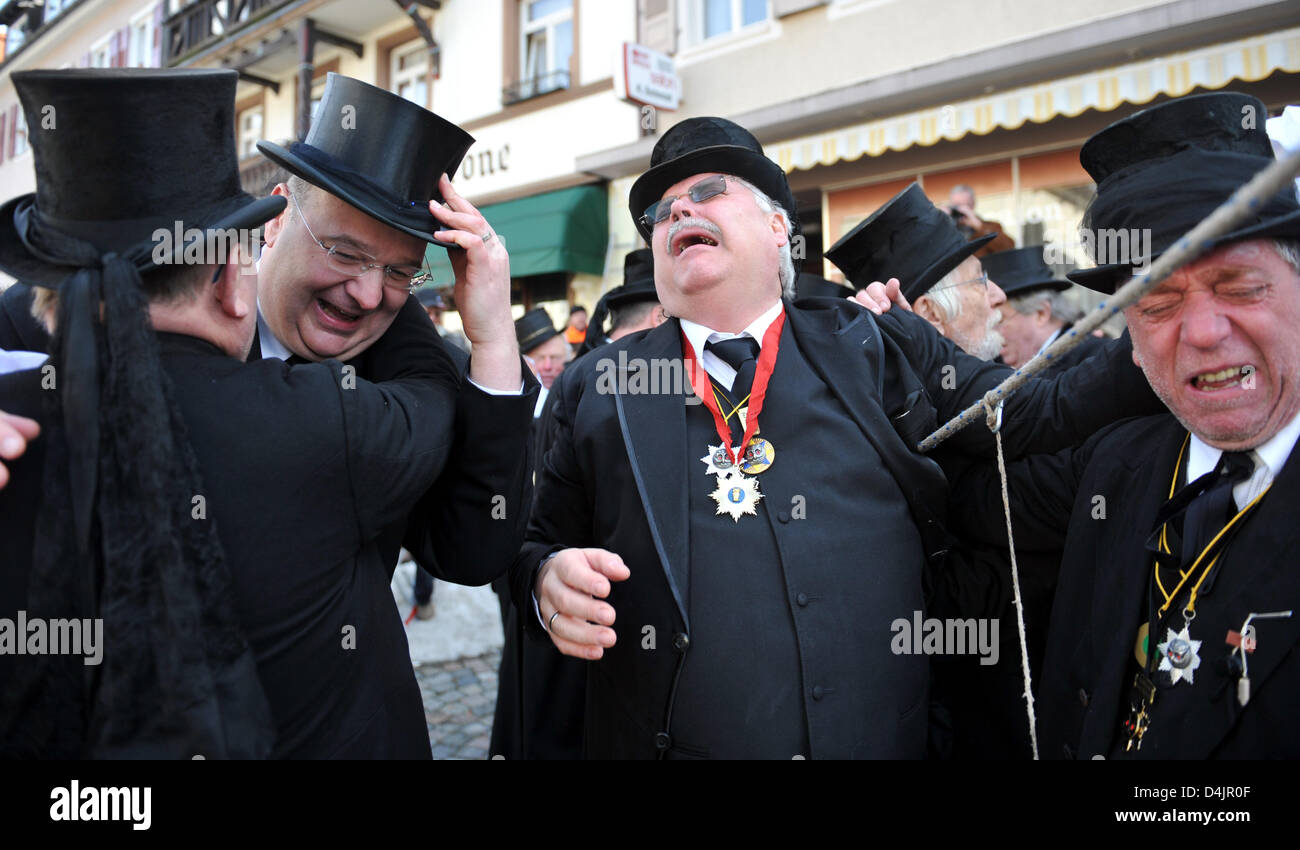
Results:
<point x="681" y="224"/>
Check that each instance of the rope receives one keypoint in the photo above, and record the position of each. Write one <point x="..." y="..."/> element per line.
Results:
<point x="1233" y="212"/>
<point x="994" y="419"/>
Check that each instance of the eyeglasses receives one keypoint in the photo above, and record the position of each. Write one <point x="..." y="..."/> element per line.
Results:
<point x="709" y="187"/>
<point x="982" y="280"/>
<point x="355" y="264"/>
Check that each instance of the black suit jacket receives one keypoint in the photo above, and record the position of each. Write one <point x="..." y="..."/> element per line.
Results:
<point x="605" y="482"/>
<point x="1083" y="697"/>
<point x="304" y="468"/>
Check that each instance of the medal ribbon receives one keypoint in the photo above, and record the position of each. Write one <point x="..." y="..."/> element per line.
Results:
<point x="762" y="374"/>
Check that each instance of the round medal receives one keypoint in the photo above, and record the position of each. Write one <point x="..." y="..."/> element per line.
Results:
<point x="758" y="456"/>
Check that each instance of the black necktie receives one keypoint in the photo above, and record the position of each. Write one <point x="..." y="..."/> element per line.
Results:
<point x="1209" y="512"/>
<point x="740" y="354"/>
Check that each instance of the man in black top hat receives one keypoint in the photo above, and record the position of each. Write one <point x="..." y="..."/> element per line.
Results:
<point x="219" y="518"/>
<point x="631" y="306"/>
<point x="754" y="590"/>
<point x="1036" y="312"/>
<point x="1179" y="529"/>
<point x="912" y="240"/>
<point x="369" y="192"/>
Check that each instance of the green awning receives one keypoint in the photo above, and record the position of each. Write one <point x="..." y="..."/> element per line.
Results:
<point x="561" y="231"/>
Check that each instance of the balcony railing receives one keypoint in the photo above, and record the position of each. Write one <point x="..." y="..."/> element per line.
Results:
<point x="205" y="22"/>
<point x="534" y="87"/>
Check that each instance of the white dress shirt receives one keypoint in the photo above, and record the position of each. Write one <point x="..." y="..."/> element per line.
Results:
<point x="1269" y="460"/>
<point x="718" y="368"/>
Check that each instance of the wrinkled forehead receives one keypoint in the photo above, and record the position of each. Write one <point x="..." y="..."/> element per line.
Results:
<point x="1249" y="258"/>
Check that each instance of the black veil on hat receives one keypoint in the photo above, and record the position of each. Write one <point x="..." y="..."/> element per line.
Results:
<point x="124" y="154"/>
<point x="704" y="145"/>
<point x="908" y="238"/>
<point x="638" y="285"/>
<point x="378" y="152"/>
<point x="1168" y="167"/>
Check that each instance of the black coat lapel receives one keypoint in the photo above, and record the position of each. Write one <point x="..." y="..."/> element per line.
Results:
<point x="651" y="406"/>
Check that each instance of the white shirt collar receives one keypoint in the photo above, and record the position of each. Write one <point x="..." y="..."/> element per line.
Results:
<point x="718" y="368"/>
<point x="1269" y="459"/>
<point x="1051" y="339"/>
<point x="271" y="346"/>
<point x="699" y="335"/>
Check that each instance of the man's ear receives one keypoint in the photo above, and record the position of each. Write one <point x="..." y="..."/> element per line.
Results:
<point x="272" y="229"/>
<point x="777" y="223"/>
<point x="235" y="287"/>
<point x="925" y="307"/>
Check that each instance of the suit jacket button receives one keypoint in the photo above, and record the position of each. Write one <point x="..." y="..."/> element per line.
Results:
<point x="818" y="692"/>
<point x="783" y="516"/>
<point x="1083" y="698"/>
<point x="662" y="741"/>
<point x="802" y="599"/>
<point x="681" y="641"/>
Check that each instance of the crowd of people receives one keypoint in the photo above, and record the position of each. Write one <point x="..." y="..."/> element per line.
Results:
<point x="219" y="452"/>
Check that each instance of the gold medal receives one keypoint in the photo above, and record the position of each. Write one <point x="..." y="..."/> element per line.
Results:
<point x="758" y="456"/>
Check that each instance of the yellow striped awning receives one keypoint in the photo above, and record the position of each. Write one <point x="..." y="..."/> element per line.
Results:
<point x="1211" y="67"/>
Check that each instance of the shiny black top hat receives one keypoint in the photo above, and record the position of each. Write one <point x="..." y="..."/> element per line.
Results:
<point x="1166" y="168"/>
<point x="908" y="238"/>
<point x="379" y="152"/>
<point x="534" y="328"/>
<point x="809" y="285"/>
<point x="701" y="146"/>
<point x="111" y="183"/>
<point x="1021" y="270"/>
<point x="638" y="285"/>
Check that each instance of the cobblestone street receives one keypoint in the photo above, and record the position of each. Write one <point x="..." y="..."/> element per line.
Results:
<point x="459" y="698"/>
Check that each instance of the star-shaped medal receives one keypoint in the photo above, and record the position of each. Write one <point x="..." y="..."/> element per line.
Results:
<point x="736" y="496"/>
<point x="719" y="461"/>
<point x="1178" y="656"/>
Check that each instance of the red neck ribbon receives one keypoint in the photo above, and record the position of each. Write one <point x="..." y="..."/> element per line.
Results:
<point x="762" y="374"/>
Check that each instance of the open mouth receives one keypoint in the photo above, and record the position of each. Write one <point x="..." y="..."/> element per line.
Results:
<point x="1224" y="379"/>
<point x="690" y="240"/>
<point x="336" y="315"/>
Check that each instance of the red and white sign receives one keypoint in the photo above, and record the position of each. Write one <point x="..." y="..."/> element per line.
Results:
<point x="646" y="77"/>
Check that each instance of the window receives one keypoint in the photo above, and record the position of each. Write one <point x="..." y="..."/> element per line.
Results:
<point x="101" y="55"/>
<point x="410" y="73"/>
<point x="250" y="130"/>
<point x="20" y="133"/>
<point x="546" y="45"/>
<point x="708" y="19"/>
<point x="140" y="49"/>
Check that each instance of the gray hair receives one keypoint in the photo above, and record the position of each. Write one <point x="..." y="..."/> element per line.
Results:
<point x="1062" y="310"/>
<point x="766" y="204"/>
<point x="944" y="296"/>
<point x="1289" y="251"/>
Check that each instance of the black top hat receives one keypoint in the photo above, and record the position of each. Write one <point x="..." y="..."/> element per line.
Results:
<point x="704" y="145"/>
<point x="1166" y="168"/>
<point x="809" y="285"/>
<point x="534" y="328"/>
<point x="908" y="238"/>
<point x="638" y="286"/>
<point x="1021" y="270"/>
<point x="113" y="183"/>
<point x="379" y="152"/>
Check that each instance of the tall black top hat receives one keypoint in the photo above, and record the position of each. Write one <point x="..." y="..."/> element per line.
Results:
<point x="120" y="155"/>
<point x="379" y="152"/>
<point x="704" y="145"/>
<point x="112" y="183"/>
<point x="908" y="238"/>
<point x="1021" y="270"/>
<point x="638" y="285"/>
<point x="534" y="328"/>
<point x="1166" y="168"/>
